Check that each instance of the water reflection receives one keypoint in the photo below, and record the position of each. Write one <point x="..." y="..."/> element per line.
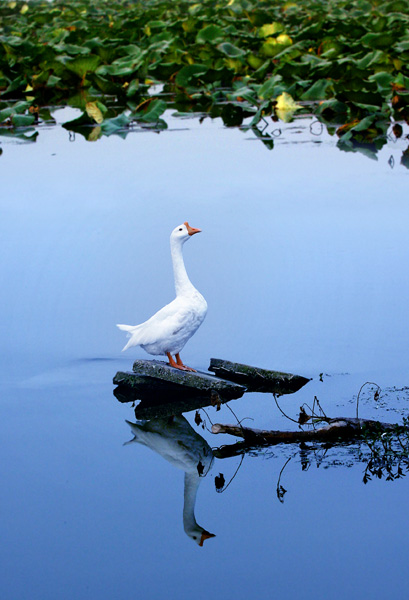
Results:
<point x="379" y="456"/>
<point x="366" y="136"/>
<point x="175" y="440"/>
<point x="164" y="401"/>
<point x="382" y="457"/>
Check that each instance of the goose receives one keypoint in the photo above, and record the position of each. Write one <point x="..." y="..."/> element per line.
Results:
<point x="168" y="330"/>
<point x="177" y="442"/>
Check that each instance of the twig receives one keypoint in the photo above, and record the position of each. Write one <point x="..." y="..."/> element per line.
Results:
<point x="282" y="412"/>
<point x="360" y="390"/>
<point x="233" y="476"/>
<point x="233" y="413"/>
<point x="205" y="424"/>
<point x="280" y="495"/>
<point x="320" y="407"/>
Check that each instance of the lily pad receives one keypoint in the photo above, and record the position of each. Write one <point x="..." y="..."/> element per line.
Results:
<point x="83" y="65"/>
<point x="154" y="110"/>
<point x="230" y="50"/>
<point x="210" y="34"/>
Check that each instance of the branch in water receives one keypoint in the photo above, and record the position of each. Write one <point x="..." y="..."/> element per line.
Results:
<point x="340" y="428"/>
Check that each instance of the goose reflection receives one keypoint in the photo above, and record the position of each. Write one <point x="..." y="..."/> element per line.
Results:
<point x="175" y="440"/>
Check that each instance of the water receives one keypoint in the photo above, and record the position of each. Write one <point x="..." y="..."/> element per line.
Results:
<point x="302" y="260"/>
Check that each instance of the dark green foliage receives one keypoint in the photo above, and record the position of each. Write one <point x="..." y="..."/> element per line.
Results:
<point x="345" y="59"/>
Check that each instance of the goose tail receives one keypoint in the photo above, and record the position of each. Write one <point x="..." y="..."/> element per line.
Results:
<point x="130" y="331"/>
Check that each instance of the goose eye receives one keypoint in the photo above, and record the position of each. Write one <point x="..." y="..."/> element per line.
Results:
<point x="180" y="229"/>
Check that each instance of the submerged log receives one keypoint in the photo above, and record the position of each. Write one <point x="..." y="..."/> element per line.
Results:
<point x="337" y="429"/>
<point x="256" y="379"/>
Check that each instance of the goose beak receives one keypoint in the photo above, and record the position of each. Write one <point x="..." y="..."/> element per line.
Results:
<point x="191" y="230"/>
<point x="205" y="536"/>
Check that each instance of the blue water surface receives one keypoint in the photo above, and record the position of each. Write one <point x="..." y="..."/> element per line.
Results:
<point x="302" y="260"/>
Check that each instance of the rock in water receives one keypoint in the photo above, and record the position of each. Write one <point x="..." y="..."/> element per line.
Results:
<point x="152" y="378"/>
<point x="256" y="379"/>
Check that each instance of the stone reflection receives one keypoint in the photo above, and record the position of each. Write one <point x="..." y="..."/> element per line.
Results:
<point x="175" y="440"/>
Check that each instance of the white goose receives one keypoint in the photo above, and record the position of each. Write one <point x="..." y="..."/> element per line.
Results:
<point x="168" y="330"/>
<point x="177" y="442"/>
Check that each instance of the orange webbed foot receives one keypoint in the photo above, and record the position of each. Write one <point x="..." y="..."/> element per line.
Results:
<point x="182" y="366"/>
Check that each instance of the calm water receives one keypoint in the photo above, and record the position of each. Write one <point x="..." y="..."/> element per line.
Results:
<point x="303" y="261"/>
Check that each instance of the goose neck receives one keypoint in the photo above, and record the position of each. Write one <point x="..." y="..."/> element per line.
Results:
<point x="192" y="481"/>
<point x="182" y="281"/>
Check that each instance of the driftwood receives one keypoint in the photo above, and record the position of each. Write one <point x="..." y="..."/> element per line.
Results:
<point x="339" y="428"/>
<point x="256" y="379"/>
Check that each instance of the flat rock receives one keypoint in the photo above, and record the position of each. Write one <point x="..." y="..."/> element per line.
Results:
<point x="155" y="378"/>
<point x="256" y="379"/>
<point x="162" y="391"/>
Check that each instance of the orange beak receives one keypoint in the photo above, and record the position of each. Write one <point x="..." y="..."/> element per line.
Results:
<point x="191" y="230"/>
<point x="205" y="536"/>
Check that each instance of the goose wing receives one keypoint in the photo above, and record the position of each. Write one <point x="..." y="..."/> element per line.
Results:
<point x="163" y="325"/>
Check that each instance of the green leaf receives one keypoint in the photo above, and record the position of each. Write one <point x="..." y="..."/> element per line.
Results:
<point x="332" y="106"/>
<point x="21" y="107"/>
<point x="18" y="83"/>
<point x="78" y="122"/>
<point x="270" y="29"/>
<point x="402" y="46"/>
<point x="133" y="88"/>
<point x="372" y="58"/>
<point x="383" y="80"/>
<point x="378" y="40"/>
<point x="368" y="150"/>
<point x="365" y="123"/>
<point x="211" y="34"/>
<point x="402" y="80"/>
<point x="232" y="115"/>
<point x="318" y="90"/>
<point x="271" y="88"/>
<point x="189" y="73"/>
<point x="105" y="85"/>
<point x="155" y="109"/>
<point x="22" y="120"/>
<point x="230" y="50"/>
<point x="123" y="67"/>
<point x="17" y="109"/>
<point x="83" y="65"/>
<point x="267" y="140"/>
<point x="5" y="114"/>
<point x="71" y="49"/>
<point x="160" y="43"/>
<point x="115" y="125"/>
<point x="27" y="135"/>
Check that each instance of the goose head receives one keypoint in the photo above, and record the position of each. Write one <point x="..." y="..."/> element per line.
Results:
<point x="198" y="534"/>
<point x="183" y="232"/>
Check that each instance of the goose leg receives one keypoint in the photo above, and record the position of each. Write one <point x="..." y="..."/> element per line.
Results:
<point x="171" y="361"/>
<point x="181" y="365"/>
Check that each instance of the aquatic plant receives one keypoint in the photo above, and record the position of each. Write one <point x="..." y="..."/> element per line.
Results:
<point x="346" y="61"/>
